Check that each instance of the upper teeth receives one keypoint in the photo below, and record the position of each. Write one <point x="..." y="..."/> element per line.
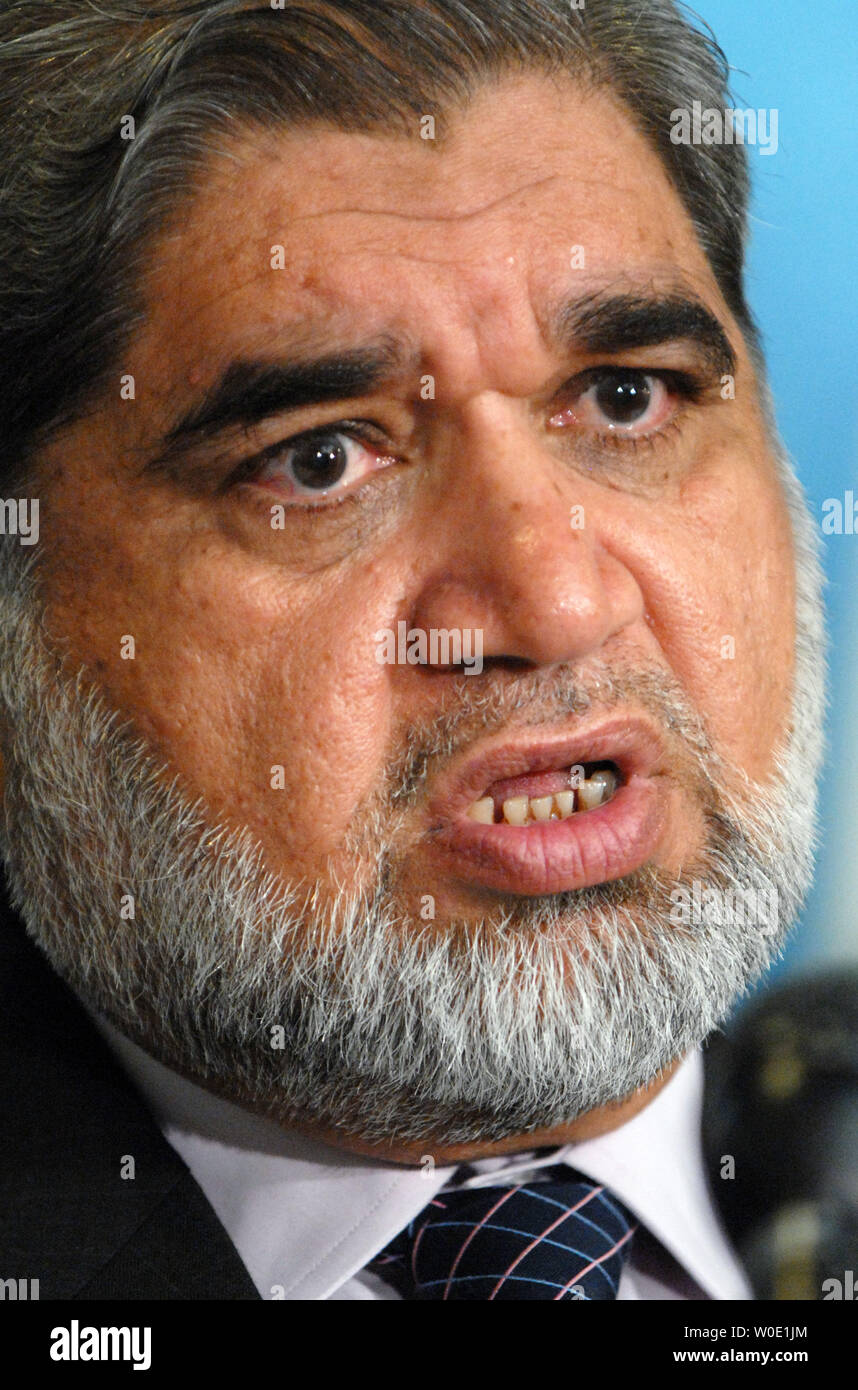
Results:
<point x="524" y="810"/>
<point x="596" y="789"/>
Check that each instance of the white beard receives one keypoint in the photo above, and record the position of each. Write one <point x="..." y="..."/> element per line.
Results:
<point x="389" y="1028"/>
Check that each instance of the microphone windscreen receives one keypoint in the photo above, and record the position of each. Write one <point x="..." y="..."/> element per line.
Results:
<point x="780" y="1137"/>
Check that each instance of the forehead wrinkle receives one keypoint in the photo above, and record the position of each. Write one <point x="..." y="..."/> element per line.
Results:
<point x="192" y="308"/>
<point x="235" y="285"/>
<point x="277" y="328"/>
<point x="398" y="215"/>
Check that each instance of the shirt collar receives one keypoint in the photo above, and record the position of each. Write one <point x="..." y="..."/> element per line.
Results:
<point x="654" y="1163"/>
<point x="305" y="1217"/>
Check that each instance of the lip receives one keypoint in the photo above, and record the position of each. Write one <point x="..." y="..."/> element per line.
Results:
<point x="588" y="848"/>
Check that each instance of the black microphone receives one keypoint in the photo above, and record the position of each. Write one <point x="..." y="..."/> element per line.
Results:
<point x="780" y="1137"/>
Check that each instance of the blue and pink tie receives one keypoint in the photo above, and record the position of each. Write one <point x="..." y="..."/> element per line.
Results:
<point x="557" y="1238"/>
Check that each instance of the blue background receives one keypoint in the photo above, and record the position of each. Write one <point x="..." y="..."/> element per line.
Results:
<point x="801" y="57"/>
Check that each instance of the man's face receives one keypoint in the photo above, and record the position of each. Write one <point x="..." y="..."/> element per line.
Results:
<point x="515" y="445"/>
<point x="504" y="504"/>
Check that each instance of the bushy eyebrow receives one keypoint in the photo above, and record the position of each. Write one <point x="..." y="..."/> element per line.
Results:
<point x="612" y="324"/>
<point x="251" y="391"/>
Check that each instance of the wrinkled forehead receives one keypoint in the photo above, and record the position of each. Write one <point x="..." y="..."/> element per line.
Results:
<point x="537" y="190"/>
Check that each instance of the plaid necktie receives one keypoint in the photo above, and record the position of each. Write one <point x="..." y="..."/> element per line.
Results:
<point x="558" y="1239"/>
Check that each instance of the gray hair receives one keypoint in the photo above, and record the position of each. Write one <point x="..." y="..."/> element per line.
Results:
<point x="84" y="189"/>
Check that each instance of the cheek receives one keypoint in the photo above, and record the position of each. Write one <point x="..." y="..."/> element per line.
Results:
<point x="719" y="579"/>
<point x="323" y="713"/>
<point x="263" y="695"/>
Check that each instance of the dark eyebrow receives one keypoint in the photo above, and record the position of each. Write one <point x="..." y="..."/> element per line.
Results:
<point x="249" y="392"/>
<point x="619" y="323"/>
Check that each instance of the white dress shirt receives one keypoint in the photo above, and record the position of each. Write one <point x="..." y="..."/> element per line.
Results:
<point x="306" y="1218"/>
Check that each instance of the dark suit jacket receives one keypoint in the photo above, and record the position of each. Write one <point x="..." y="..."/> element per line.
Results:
<point x="68" y="1115"/>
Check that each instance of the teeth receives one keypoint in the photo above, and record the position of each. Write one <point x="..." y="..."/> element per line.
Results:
<point x="523" y="810"/>
<point x="596" y="789"/>
<point x="515" y="810"/>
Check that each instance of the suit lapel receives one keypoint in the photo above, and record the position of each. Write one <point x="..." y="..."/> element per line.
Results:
<point x="74" y="1217"/>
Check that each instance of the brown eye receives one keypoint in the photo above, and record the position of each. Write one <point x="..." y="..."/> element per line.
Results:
<point x="319" y="461"/>
<point x="624" y="400"/>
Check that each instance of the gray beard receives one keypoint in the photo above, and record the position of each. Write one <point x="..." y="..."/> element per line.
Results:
<point x="344" y="1011"/>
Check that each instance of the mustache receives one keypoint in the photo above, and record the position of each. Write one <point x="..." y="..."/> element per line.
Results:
<point x="541" y="698"/>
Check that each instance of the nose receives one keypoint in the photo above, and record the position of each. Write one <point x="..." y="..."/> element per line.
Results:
<point x="517" y="552"/>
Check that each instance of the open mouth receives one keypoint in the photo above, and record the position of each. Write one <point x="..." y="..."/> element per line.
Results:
<point x="537" y="798"/>
<point x="550" y="811"/>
